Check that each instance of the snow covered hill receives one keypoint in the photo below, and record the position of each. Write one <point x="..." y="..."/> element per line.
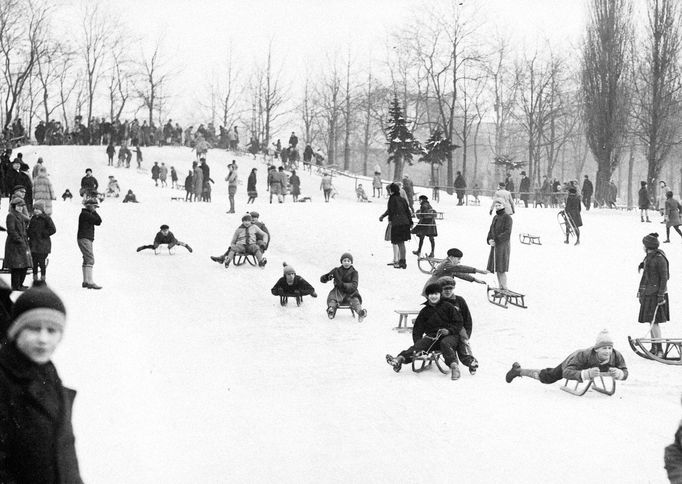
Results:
<point x="190" y="373"/>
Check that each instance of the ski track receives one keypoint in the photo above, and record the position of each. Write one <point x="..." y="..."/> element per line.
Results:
<point x="188" y="372"/>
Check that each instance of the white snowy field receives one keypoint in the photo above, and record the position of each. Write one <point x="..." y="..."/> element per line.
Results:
<point x="190" y="373"/>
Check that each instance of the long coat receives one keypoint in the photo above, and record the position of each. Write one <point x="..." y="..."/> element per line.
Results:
<point x="432" y="318"/>
<point x="500" y="232"/>
<point x="198" y="182"/>
<point x="345" y="283"/>
<point x="251" y="185"/>
<point x="673" y="458"/>
<point x="36" y="435"/>
<point x="398" y="213"/>
<point x="42" y="190"/>
<point x="644" y="202"/>
<point x="426" y="225"/>
<point x="40" y="229"/>
<point x="672" y="213"/>
<point x="573" y="209"/>
<point x="652" y="285"/>
<point x="17" y="253"/>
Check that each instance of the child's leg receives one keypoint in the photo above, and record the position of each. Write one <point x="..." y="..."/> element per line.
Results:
<point x="432" y="240"/>
<point x="421" y="242"/>
<point x="396" y="254"/>
<point x="677" y="229"/>
<point x="502" y="279"/>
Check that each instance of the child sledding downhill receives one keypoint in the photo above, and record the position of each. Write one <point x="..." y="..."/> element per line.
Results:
<point x="438" y="327"/>
<point x="292" y="285"/>
<point x="164" y="236"/>
<point x="581" y="365"/>
<point x="248" y="239"/>
<point x="345" y="289"/>
<point x="464" y="351"/>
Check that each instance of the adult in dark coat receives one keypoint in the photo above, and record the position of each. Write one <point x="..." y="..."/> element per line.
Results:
<point x="251" y="190"/>
<point x="460" y="188"/>
<point x="426" y="225"/>
<point x="16" y="178"/>
<point x="36" y="435"/>
<point x="653" y="288"/>
<point x="17" y="252"/>
<point x="439" y="326"/>
<point x="498" y="240"/>
<point x="295" y="183"/>
<point x="400" y="217"/>
<point x="671" y="215"/>
<point x="156" y="171"/>
<point x="587" y="192"/>
<point x="89" y="184"/>
<point x="524" y="188"/>
<point x="644" y="202"/>
<point x="573" y="211"/>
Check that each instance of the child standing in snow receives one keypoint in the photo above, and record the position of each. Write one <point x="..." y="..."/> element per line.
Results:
<point x="292" y="285"/>
<point x="581" y="365"/>
<point x="165" y="236"/>
<point x="345" y="290"/>
<point x="40" y="228"/>
<point x="189" y="187"/>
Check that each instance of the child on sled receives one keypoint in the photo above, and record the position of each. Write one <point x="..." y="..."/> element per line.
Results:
<point x="292" y="285"/>
<point x="345" y="288"/>
<point x="439" y="326"/>
<point x="581" y="365"/>
<point x="164" y="236"/>
<point x="451" y="267"/>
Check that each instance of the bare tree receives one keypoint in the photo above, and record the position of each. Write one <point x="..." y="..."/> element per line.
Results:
<point x="348" y="117"/>
<point x="155" y="73"/>
<point x="471" y="88"/>
<point x="605" y="85"/>
<point x="51" y="69"/>
<point x="329" y="100"/>
<point x="268" y="97"/>
<point x="308" y="111"/>
<point x="657" y="86"/>
<point x="121" y="79"/>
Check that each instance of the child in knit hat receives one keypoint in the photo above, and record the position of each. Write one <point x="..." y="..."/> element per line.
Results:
<point x="37" y="441"/>
<point x="165" y="236"/>
<point x="581" y="365"/>
<point x="292" y="285"/>
<point x="345" y="290"/>
<point x="654" y="306"/>
<point x="40" y="228"/>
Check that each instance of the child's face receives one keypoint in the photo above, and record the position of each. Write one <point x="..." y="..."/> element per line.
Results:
<point x="448" y="291"/>
<point x="346" y="263"/>
<point x="604" y="353"/>
<point x="38" y="341"/>
<point x="455" y="260"/>
<point x="433" y="298"/>
<point x="164" y="231"/>
<point x="290" y="278"/>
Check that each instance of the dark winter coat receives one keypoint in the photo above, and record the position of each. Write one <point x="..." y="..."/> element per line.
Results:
<point x="673" y="458"/>
<point x="295" y="183"/>
<point x="17" y="252"/>
<point x="86" y="224"/>
<point x="500" y="232"/>
<point x="300" y="287"/>
<point x="345" y="280"/>
<point x="644" y="202"/>
<point x="89" y="184"/>
<point x="587" y="358"/>
<point x="189" y="183"/>
<point x="672" y="213"/>
<point x="432" y="318"/>
<point x="588" y="189"/>
<point x="573" y="209"/>
<point x="308" y="154"/>
<point x="40" y="228"/>
<point x="36" y="435"/>
<point x="169" y="239"/>
<point x="156" y="170"/>
<point x="251" y="182"/>
<point x="449" y="268"/>
<point x="399" y="215"/>
<point x="524" y="188"/>
<point x="460" y="186"/>
<point x="652" y="286"/>
<point x="426" y="225"/>
<point x="461" y="306"/>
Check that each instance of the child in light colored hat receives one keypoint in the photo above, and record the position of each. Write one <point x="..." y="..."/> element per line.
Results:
<point x="292" y="285"/>
<point x="581" y="365"/>
<point x="345" y="290"/>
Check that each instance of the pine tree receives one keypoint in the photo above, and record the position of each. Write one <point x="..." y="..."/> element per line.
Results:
<point x="401" y="144"/>
<point x="436" y="151"/>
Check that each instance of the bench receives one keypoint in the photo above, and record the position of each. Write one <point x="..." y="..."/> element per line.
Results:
<point x="403" y="317"/>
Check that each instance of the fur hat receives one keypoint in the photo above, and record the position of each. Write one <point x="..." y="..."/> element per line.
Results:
<point x="37" y="304"/>
<point x="433" y="288"/>
<point x="39" y="205"/>
<point x="423" y="198"/>
<point x="247" y="218"/>
<point x="446" y="281"/>
<point x="651" y="241"/>
<point x="346" y="255"/>
<point x="603" y="339"/>
<point x="288" y="269"/>
<point x="17" y="201"/>
<point x="455" y="253"/>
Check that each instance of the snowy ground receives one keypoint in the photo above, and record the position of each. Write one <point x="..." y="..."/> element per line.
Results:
<point x="190" y="373"/>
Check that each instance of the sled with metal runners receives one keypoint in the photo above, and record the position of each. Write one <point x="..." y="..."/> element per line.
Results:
<point x="504" y="297"/>
<point x="529" y="239"/>
<point x="671" y="349"/>
<point x="599" y="384"/>
<point x="284" y="300"/>
<point x="566" y="224"/>
<point x="427" y="264"/>
<point x="423" y="360"/>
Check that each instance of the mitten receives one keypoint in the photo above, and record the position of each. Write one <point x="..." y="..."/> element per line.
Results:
<point x="661" y="300"/>
<point x="314" y="294"/>
<point x="640" y="267"/>
<point x="617" y="373"/>
<point x="589" y="373"/>
<point x="324" y="278"/>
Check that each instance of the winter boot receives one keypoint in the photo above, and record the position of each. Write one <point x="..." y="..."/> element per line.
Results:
<point x="299" y="300"/>
<point x="416" y="252"/>
<point x="331" y="312"/>
<point x="362" y="315"/>
<point x="401" y="264"/>
<point x="188" y="248"/>
<point x="396" y="363"/>
<point x="513" y="373"/>
<point x="262" y="262"/>
<point x="143" y="247"/>
<point x="91" y="283"/>
<point x="454" y="367"/>
<point x="473" y="367"/>
<point x="219" y="259"/>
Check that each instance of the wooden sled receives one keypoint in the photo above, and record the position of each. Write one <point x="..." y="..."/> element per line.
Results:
<point x="284" y="300"/>
<point x="529" y="239"/>
<point x="672" y="349"/>
<point x="504" y="297"/>
<point x="597" y="384"/>
<point x="428" y="264"/>
<point x="421" y="361"/>
<point x="404" y="318"/>
<point x="566" y="223"/>
<point x="241" y="259"/>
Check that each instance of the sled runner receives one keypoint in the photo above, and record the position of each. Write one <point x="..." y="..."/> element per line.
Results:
<point x="171" y="251"/>
<point x="599" y="384"/>
<point x="504" y="297"/>
<point x="529" y="239"/>
<point x="671" y="347"/>
<point x="332" y="314"/>
<point x="427" y="264"/>
<point x="284" y="300"/>
<point x="566" y="223"/>
<point x="422" y="360"/>
<point x="403" y="318"/>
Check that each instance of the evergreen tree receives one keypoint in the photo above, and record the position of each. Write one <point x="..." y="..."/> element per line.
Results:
<point x="401" y="144"/>
<point x="436" y="151"/>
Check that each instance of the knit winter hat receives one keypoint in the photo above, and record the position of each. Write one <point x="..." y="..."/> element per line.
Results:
<point x="446" y="281"/>
<point x="433" y="288"/>
<point x="288" y="269"/>
<point x="455" y="253"/>
<point x="39" y="304"/>
<point x="651" y="241"/>
<point x="39" y="205"/>
<point x="246" y="218"/>
<point x="423" y="197"/>
<point x="346" y="255"/>
<point x="164" y="227"/>
<point x="603" y="339"/>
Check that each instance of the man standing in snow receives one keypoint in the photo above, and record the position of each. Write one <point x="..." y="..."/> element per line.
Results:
<point x="86" y="236"/>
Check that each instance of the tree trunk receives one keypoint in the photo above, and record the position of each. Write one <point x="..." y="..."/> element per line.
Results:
<point x="602" y="184"/>
<point x="631" y="167"/>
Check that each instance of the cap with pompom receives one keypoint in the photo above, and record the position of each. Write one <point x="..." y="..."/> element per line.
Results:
<point x="651" y="241"/>
<point x="288" y="269"/>
<point x="39" y="304"/>
<point x="603" y="339"/>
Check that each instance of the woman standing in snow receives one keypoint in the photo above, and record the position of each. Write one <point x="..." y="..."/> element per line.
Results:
<point x="498" y="240"/>
<point x="17" y="252"/>
<point x="400" y="217"/>
<point x="671" y="215"/>
<point x="295" y="183"/>
<point x="251" y="190"/>
<point x="42" y="190"/>
<point x="653" y="289"/>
